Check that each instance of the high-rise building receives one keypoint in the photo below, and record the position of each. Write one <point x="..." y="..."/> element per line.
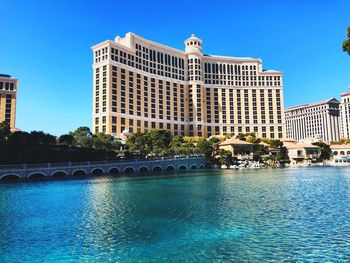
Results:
<point x="8" y="97"/>
<point x="318" y="120"/>
<point x="140" y="85"/>
<point x="345" y="114"/>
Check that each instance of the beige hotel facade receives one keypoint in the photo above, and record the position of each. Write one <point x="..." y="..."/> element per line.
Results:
<point x="8" y="98"/>
<point x="319" y="120"/>
<point x="345" y="114"/>
<point x="141" y="85"/>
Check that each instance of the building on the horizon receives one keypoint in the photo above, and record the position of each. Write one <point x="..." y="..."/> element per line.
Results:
<point x="345" y="114"/>
<point x="8" y="97"/>
<point x="140" y="85"/>
<point x="318" y="120"/>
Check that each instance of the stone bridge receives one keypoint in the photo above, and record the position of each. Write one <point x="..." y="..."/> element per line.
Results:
<point x="120" y="167"/>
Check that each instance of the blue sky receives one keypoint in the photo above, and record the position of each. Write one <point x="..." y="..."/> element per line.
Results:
<point x="46" y="44"/>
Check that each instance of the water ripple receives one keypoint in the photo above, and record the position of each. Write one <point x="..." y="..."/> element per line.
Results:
<point x="275" y="215"/>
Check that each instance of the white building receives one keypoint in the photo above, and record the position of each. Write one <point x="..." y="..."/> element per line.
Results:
<point x="299" y="151"/>
<point x="317" y="120"/>
<point x="345" y="114"/>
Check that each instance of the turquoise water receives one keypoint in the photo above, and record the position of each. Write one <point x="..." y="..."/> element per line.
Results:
<point x="272" y="215"/>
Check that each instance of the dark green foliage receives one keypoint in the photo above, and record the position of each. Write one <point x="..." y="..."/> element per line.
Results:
<point x="283" y="157"/>
<point x="106" y="142"/>
<point x="39" y="147"/>
<point x="225" y="157"/>
<point x="243" y="136"/>
<point x="207" y="147"/>
<point x="160" y="143"/>
<point x="346" y="43"/>
<point x="157" y="142"/>
<point x="39" y="137"/>
<point x="50" y="153"/>
<point x="325" y="151"/>
<point x="5" y="132"/>
<point x="259" y="151"/>
<point x="140" y="143"/>
<point x="276" y="143"/>
<point x="66" y="139"/>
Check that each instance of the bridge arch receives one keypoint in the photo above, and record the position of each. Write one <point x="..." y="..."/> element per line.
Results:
<point x="97" y="171"/>
<point x="182" y="167"/>
<point x="157" y="169"/>
<point x="59" y="174"/>
<point x="10" y="178"/>
<point x="79" y="172"/>
<point x="129" y="170"/>
<point x="113" y="171"/>
<point x="143" y="170"/>
<point x="36" y="175"/>
<point x="194" y="166"/>
<point x="170" y="168"/>
<point x="201" y="166"/>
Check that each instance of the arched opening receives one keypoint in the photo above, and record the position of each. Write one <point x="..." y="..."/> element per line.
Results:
<point x="157" y="169"/>
<point x="79" y="173"/>
<point x="201" y="166"/>
<point x="36" y="176"/>
<point x="182" y="167"/>
<point x="342" y="152"/>
<point x="194" y="167"/>
<point x="170" y="168"/>
<point x="335" y="153"/>
<point x="348" y="153"/>
<point x="129" y="170"/>
<point x="10" y="178"/>
<point x="143" y="170"/>
<point x="97" y="171"/>
<point x="113" y="171"/>
<point x="59" y="174"/>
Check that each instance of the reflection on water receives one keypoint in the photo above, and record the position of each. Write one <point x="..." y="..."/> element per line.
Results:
<point x="242" y="216"/>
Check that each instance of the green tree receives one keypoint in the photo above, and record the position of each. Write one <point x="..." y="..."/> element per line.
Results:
<point x="176" y="142"/>
<point x="39" y="137"/>
<point x="259" y="151"/>
<point x="5" y="132"/>
<point x="206" y="147"/>
<point x="66" y="139"/>
<point x="106" y="142"/>
<point x="241" y="136"/>
<point x="346" y="43"/>
<point x="83" y="137"/>
<point x="325" y="151"/>
<point x="139" y="142"/>
<point x="245" y="136"/>
<point x="20" y="138"/>
<point x="282" y="156"/>
<point x="159" y="140"/>
<point x="276" y="144"/>
<point x="225" y="157"/>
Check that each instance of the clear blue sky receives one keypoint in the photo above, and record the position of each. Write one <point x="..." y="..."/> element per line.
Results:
<point x="46" y="44"/>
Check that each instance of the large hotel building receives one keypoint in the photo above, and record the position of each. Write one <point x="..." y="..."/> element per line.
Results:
<point x="320" y="120"/>
<point x="141" y="85"/>
<point x="8" y="97"/>
<point x="345" y="114"/>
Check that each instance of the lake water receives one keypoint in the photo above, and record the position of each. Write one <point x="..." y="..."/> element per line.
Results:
<point x="268" y="215"/>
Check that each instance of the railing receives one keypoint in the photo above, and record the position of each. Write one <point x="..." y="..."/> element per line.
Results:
<point x="93" y="163"/>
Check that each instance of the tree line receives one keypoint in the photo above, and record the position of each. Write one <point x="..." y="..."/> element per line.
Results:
<point x="81" y="145"/>
<point x="39" y="147"/>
